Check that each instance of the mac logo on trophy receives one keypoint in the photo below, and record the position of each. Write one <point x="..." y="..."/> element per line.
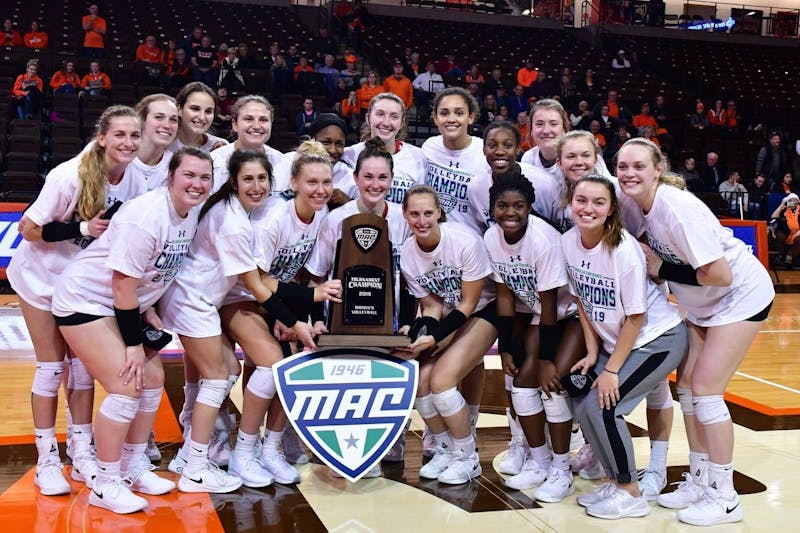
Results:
<point x="366" y="236"/>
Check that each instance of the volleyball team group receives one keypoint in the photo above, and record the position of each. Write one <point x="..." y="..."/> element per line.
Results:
<point x="565" y="265"/>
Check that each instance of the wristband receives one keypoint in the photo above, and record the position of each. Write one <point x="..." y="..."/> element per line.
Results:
<point x="61" y="231"/>
<point x="84" y="227"/>
<point x="548" y="341"/>
<point x="407" y="308"/>
<point x="505" y="332"/>
<point x="449" y="324"/>
<point x="294" y="292"/>
<point x="611" y="371"/>
<point x="424" y="325"/>
<point x="685" y="274"/>
<point x="130" y="325"/>
<point x="278" y="309"/>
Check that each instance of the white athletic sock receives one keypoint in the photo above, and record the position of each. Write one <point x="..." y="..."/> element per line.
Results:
<point x="131" y="454"/>
<point x="466" y="445"/>
<point x="720" y="478"/>
<point x="272" y="444"/>
<point x="474" y="412"/>
<point x="46" y="443"/>
<point x="514" y="426"/>
<point x="658" y="455"/>
<point x="561" y="461"/>
<point x="198" y="457"/>
<point x="541" y="454"/>
<point x="245" y="442"/>
<point x="443" y="440"/>
<point x="107" y="471"/>
<point x="82" y="433"/>
<point x="698" y="466"/>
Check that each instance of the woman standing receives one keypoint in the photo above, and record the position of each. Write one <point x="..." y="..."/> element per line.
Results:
<point x="719" y="283"/>
<point x="197" y="105"/>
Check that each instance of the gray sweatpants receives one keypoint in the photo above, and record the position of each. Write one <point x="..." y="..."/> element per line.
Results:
<point x="606" y="429"/>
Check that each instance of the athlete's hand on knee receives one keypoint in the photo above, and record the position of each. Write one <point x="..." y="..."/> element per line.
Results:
<point x="331" y="290"/>
<point x="653" y="261"/>
<point x="151" y="317"/>
<point x="304" y="335"/>
<point x="584" y="364"/>
<point x="318" y="328"/>
<point x="98" y="225"/>
<point x="133" y="369"/>
<point x="548" y="379"/>
<point x="607" y="385"/>
<point x="508" y="364"/>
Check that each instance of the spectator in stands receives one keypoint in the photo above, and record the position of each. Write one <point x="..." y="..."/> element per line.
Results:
<point x="474" y="76"/>
<point x="527" y="75"/>
<point x="204" y="62"/>
<point x="280" y="76"/>
<point x="178" y="71"/>
<point x="644" y="119"/>
<point x="303" y="75"/>
<point x="36" y="38"/>
<point x="518" y="102"/>
<point x="304" y="118"/>
<point x="567" y="90"/>
<point x="367" y="92"/>
<point x="494" y="82"/>
<point x="66" y="80"/>
<point x="449" y="67"/>
<point x="615" y="141"/>
<point x="96" y="82"/>
<point x="587" y="84"/>
<point x="95" y="28"/>
<point x="524" y="126"/>
<point x="699" y="119"/>
<point x="331" y="73"/>
<point x="245" y="59"/>
<point x="712" y="174"/>
<point x="758" y="190"/>
<point x="321" y="46"/>
<point x="340" y="92"/>
<point x="27" y="91"/>
<point x="582" y="118"/>
<point x="274" y="52"/>
<point x="192" y="41"/>
<point x="733" y="193"/>
<point x="412" y="67"/>
<point x="350" y="74"/>
<point x="399" y="85"/>
<point x="596" y="129"/>
<point x="787" y="231"/>
<point x="292" y="57"/>
<point x="503" y="98"/>
<point x="222" y="52"/>
<point x="168" y="52"/>
<point x="489" y="110"/>
<point x="772" y="160"/>
<point x="542" y="87"/>
<point x="502" y="113"/>
<point x="607" y="123"/>
<point x="222" y="122"/>
<point x="620" y="62"/>
<point x="717" y="116"/>
<point x="659" y="110"/>
<point x="732" y="117"/>
<point x="427" y="84"/>
<point x="10" y="36"/>
<point x="616" y="109"/>
<point x="149" y="58"/>
<point x="349" y="110"/>
<point x="691" y="176"/>
<point x="785" y="186"/>
<point x="230" y="71"/>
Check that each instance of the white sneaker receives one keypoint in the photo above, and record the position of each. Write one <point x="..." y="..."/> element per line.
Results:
<point x="713" y="509"/>
<point x="144" y="480"/>
<point x="152" y="451"/>
<point x="592" y="471"/>
<point x="293" y="447"/>
<point x="462" y="469"/>
<point x="600" y="493"/>
<point x="50" y="476"/>
<point x="219" y="448"/>
<point x="514" y="460"/>
<point x="210" y="479"/>
<point x="84" y="466"/>
<point x="438" y="463"/>
<point x="688" y="493"/>
<point x="619" y="504"/>
<point x="284" y="473"/>
<point x="117" y="497"/>
<point x="576" y="440"/>
<point x="428" y="443"/>
<point x="582" y="459"/>
<point x="557" y="486"/>
<point x="249" y="468"/>
<point x="531" y="475"/>
<point x="652" y="482"/>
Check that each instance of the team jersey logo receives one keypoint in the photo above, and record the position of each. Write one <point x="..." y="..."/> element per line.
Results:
<point x="366" y="236"/>
<point x="349" y="405"/>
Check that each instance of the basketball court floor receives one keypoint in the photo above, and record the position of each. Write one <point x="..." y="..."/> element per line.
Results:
<point x="764" y="398"/>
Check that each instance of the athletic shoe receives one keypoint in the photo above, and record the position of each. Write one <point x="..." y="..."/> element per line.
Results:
<point x="293" y="447"/>
<point x="531" y="475"/>
<point x="152" y="451"/>
<point x="116" y="496"/>
<point x="557" y="486"/>
<point x="600" y="493"/>
<point x="50" y="476"/>
<point x="652" y="482"/>
<point x="428" y="443"/>
<point x="438" y="464"/>
<point x="210" y="479"/>
<point x="582" y="459"/>
<point x="712" y="509"/>
<point x="177" y="463"/>
<point x="619" y="504"/>
<point x="219" y="448"/>
<point x="249" y="468"/>
<point x="462" y="469"/>
<point x="688" y="493"/>
<point x="576" y="440"/>
<point x="284" y="473"/>
<point x="144" y="480"/>
<point x="84" y="466"/>
<point x="514" y="460"/>
<point x="592" y="471"/>
<point x="398" y="450"/>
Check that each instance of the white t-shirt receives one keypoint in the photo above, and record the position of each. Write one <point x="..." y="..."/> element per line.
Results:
<point x="146" y="239"/>
<point x="532" y="265"/>
<point x="342" y="176"/>
<point x="211" y="140"/>
<point x="682" y="230"/>
<point x="409" y="168"/>
<point x="35" y="266"/>
<point x="154" y="176"/>
<point x="452" y="174"/>
<point x="612" y="286"/>
<point x="460" y="256"/>
<point x="222" y="155"/>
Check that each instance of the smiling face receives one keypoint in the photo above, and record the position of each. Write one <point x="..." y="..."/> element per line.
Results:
<point x="385" y="120"/>
<point x="453" y="119"/>
<point x="578" y="158"/>
<point x="547" y="126"/>
<point x="422" y="215"/>
<point x="638" y="174"/>
<point x="374" y="179"/>
<point x="314" y="185"/>
<point x="161" y="124"/>
<point x="510" y="211"/>
<point x="121" y="140"/>
<point x="500" y="149"/>
<point x="252" y="185"/>
<point x="332" y="138"/>
<point x="197" y="113"/>
<point x="190" y="183"/>
<point x="253" y="125"/>
<point x="591" y="206"/>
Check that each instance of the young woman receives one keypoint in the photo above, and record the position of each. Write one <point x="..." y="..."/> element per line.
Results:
<point x="66" y="217"/>
<point x="448" y="271"/>
<point x="197" y="105"/>
<point x="634" y="339"/>
<point x="99" y="304"/>
<point x="719" y="283"/>
<point x="66" y="80"/>
<point x="528" y="265"/>
<point x="787" y="233"/>
<point x="27" y="91"/>
<point x="386" y="120"/>
<point x="159" y="116"/>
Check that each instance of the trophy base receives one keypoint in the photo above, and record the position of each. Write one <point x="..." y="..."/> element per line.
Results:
<point x="364" y="341"/>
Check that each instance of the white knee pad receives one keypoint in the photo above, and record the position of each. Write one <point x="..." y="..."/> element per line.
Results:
<point x="660" y="397"/>
<point x="212" y="392"/>
<point x="425" y="407"/>
<point x="509" y="382"/>
<point x="79" y="377"/>
<point x="262" y="383"/>
<point x="150" y="400"/>
<point x="48" y="378"/>
<point x="448" y="402"/>
<point x="711" y="409"/>
<point x="557" y="409"/>
<point x="119" y="408"/>
<point x="685" y="399"/>
<point x="526" y="402"/>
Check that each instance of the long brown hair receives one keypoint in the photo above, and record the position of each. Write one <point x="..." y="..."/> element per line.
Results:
<point x="612" y="227"/>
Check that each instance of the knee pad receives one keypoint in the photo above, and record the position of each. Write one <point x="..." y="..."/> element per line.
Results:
<point x="448" y="402"/>
<point x="79" y="377"/>
<point x="425" y="407"/>
<point x="710" y="409"/>
<point x="47" y="378"/>
<point x="262" y="383"/>
<point x="660" y="397"/>
<point x="212" y="392"/>
<point x="119" y="408"/>
<point x="685" y="399"/>
<point x="557" y="409"/>
<point x="509" y="382"/>
<point x="527" y="402"/>
<point x="150" y="400"/>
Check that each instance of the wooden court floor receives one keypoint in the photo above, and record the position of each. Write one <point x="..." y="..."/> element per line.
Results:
<point x="764" y="398"/>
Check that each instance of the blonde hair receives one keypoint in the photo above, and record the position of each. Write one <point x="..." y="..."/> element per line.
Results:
<point x="309" y="152"/>
<point x="92" y="177"/>
<point x="142" y="107"/>
<point x="424" y="189"/>
<point x="365" y="128"/>
<point x="667" y="177"/>
<point x="569" y="136"/>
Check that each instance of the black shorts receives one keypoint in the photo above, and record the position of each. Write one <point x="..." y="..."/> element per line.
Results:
<point x="76" y="319"/>
<point x="488" y="313"/>
<point x="761" y="315"/>
<point x="518" y="349"/>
